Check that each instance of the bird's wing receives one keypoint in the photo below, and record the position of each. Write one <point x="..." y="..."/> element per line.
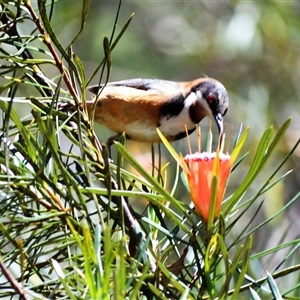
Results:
<point x="142" y="85"/>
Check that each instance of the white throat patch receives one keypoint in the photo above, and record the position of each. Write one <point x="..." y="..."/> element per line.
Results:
<point x="170" y="126"/>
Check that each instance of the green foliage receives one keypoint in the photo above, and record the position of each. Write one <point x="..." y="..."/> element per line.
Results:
<point x="71" y="223"/>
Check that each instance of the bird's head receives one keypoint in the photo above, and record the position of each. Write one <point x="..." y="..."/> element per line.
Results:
<point x="213" y="97"/>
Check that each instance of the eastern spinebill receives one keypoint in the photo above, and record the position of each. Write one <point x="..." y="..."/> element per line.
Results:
<point x="139" y="106"/>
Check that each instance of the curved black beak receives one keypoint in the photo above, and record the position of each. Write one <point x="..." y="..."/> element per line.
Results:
<point x="219" y="121"/>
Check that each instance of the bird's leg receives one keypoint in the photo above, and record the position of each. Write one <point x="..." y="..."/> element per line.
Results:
<point x="110" y="142"/>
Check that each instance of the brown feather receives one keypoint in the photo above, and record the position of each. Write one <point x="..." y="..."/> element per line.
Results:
<point x="135" y="111"/>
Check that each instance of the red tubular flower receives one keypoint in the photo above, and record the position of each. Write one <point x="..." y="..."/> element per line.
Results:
<point x="202" y="167"/>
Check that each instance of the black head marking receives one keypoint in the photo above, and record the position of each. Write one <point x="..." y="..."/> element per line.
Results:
<point x="215" y="95"/>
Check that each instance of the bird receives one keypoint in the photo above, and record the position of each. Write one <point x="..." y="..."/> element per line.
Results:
<point x="139" y="106"/>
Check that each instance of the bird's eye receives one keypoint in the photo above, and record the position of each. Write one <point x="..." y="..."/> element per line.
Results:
<point x="211" y="98"/>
